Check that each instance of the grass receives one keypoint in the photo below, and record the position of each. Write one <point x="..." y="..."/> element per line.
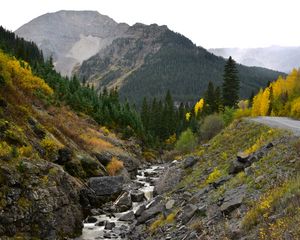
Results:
<point x="275" y="198"/>
<point x="237" y="137"/>
<point x="161" y="221"/>
<point x="114" y="166"/>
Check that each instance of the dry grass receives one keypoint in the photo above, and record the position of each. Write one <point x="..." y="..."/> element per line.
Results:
<point x="114" y="166"/>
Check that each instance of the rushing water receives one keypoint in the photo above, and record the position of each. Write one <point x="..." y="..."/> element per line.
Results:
<point x="145" y="179"/>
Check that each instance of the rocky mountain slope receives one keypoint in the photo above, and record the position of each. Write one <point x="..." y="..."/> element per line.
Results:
<point x="278" y="58"/>
<point x="71" y="36"/>
<point x="243" y="184"/>
<point x="140" y="60"/>
<point x="48" y="153"/>
<point x="152" y="59"/>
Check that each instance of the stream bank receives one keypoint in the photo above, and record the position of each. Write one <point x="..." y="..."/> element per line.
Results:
<point x="116" y="219"/>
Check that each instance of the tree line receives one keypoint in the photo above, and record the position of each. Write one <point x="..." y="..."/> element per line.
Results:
<point x="157" y="122"/>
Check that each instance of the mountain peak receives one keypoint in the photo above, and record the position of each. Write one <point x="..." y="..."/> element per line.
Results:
<point x="71" y="36"/>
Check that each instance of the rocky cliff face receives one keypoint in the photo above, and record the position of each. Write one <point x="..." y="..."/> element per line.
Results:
<point x="71" y="36"/>
<point x="39" y="199"/>
<point x="110" y="67"/>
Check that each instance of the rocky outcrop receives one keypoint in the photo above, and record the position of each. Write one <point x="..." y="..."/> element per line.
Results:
<point x="245" y="160"/>
<point x="168" y="180"/>
<point x="106" y="186"/>
<point x="38" y="199"/>
<point x="190" y="161"/>
<point x="233" y="198"/>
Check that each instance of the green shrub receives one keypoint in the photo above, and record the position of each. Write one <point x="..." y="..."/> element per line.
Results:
<point x="186" y="142"/>
<point x="228" y="115"/>
<point x="211" y="126"/>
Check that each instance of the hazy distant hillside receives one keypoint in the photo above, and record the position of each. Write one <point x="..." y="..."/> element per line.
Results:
<point x="153" y="59"/>
<point x="278" y="58"/>
<point x="71" y="36"/>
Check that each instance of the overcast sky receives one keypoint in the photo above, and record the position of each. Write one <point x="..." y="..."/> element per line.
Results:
<point x="208" y="23"/>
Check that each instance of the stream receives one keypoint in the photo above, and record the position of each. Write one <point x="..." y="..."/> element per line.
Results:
<point x="100" y="229"/>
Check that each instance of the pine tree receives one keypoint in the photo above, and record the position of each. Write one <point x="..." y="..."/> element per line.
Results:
<point x="210" y="100"/>
<point x="145" y="114"/>
<point x="218" y="100"/>
<point x="231" y="84"/>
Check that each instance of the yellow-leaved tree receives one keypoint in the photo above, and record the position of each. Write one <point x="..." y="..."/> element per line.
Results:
<point x="199" y="106"/>
<point x="18" y="74"/>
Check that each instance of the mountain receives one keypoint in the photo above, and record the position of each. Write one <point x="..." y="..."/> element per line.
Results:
<point x="141" y="60"/>
<point x="278" y="58"/>
<point x="153" y="59"/>
<point x="71" y="36"/>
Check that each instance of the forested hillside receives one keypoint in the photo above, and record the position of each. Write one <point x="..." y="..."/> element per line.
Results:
<point x="154" y="59"/>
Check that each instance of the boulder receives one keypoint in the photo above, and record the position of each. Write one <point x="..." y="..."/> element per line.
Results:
<point x="127" y="216"/>
<point x="197" y="197"/>
<point x="123" y="203"/>
<point x="137" y="196"/>
<point x="91" y="219"/>
<point x="242" y="157"/>
<point x="220" y="181"/>
<point x="190" y="161"/>
<point x="188" y="212"/>
<point x="150" y="213"/>
<point x="109" y="225"/>
<point x="169" y="179"/>
<point x="103" y="157"/>
<point x="236" y="167"/>
<point x="130" y="163"/>
<point x="233" y="198"/>
<point x="140" y="210"/>
<point x="169" y="205"/>
<point x="104" y="186"/>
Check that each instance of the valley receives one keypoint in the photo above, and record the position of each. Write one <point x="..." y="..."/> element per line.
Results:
<point x="118" y="131"/>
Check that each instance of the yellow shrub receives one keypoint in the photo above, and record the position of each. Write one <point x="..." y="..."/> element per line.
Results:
<point x="171" y="140"/>
<point x="114" y="166"/>
<point x="148" y="155"/>
<point x="50" y="145"/>
<point x="25" y="151"/>
<point x="259" y="142"/>
<point x="105" y="131"/>
<point x="263" y="207"/>
<point x="5" y="149"/>
<point x="215" y="174"/>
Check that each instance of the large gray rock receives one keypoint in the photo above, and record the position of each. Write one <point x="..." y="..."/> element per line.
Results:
<point x="233" y="198"/>
<point x="188" y="212"/>
<point x="137" y="196"/>
<point x="127" y="216"/>
<point x="104" y="186"/>
<point x="169" y="205"/>
<point x="150" y="213"/>
<point x="123" y="203"/>
<point x="190" y="161"/>
<point x="169" y="179"/>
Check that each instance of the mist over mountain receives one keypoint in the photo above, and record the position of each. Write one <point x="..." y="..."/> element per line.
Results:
<point x="275" y="57"/>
